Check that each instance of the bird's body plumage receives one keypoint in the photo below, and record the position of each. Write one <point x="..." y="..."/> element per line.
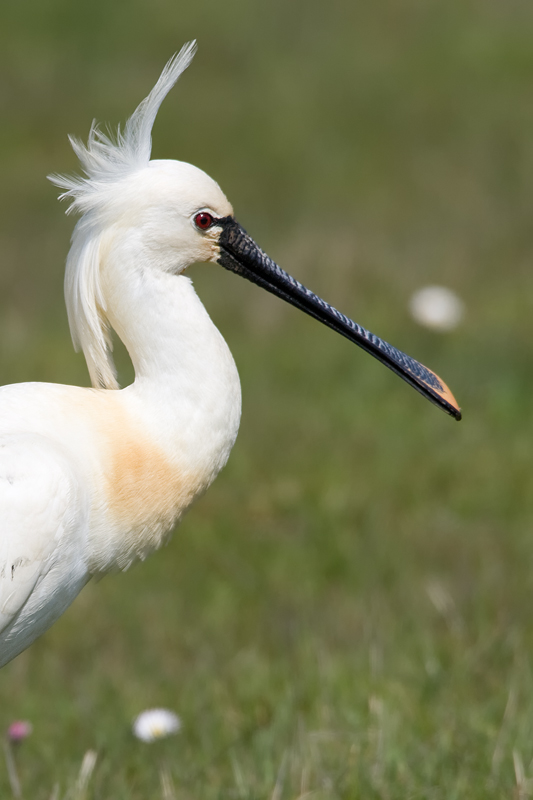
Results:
<point x="93" y="479"/>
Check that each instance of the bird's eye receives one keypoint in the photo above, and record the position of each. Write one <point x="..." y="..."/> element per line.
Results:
<point x="203" y="220"/>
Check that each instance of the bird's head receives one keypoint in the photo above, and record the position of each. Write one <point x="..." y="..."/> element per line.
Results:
<point x="166" y="213"/>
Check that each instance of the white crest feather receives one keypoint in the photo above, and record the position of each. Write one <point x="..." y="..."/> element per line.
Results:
<point x="105" y="160"/>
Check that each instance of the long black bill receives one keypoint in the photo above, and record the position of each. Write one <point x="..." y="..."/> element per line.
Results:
<point x="239" y="253"/>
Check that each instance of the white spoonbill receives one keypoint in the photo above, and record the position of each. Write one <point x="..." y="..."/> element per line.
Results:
<point x="92" y="479"/>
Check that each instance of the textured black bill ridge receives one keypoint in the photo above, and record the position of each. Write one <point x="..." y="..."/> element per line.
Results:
<point x="240" y="254"/>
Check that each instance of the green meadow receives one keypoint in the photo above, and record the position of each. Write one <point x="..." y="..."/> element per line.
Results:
<point x="348" y="612"/>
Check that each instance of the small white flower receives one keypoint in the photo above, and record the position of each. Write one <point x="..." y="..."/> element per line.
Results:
<point x="437" y="307"/>
<point x="156" y="723"/>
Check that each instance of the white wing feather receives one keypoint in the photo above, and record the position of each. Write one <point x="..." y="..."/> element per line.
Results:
<point x="39" y="518"/>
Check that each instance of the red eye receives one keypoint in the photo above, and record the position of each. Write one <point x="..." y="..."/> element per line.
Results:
<point x="203" y="220"/>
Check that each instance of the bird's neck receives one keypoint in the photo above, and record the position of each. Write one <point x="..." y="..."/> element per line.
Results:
<point x="162" y="323"/>
<point x="184" y="372"/>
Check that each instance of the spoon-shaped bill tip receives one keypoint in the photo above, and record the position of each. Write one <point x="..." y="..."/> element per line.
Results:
<point x="449" y="403"/>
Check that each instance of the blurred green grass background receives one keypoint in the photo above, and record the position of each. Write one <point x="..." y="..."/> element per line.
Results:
<point x="347" y="612"/>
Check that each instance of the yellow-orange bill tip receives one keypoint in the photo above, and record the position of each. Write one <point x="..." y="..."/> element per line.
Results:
<point x="446" y="396"/>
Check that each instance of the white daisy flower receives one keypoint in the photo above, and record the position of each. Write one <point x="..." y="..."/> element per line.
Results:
<point x="156" y="723"/>
<point x="437" y="307"/>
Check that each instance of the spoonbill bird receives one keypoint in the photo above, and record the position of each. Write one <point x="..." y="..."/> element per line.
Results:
<point x="92" y="479"/>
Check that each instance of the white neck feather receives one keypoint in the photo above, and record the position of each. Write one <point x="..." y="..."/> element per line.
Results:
<point x="181" y="361"/>
<point x="176" y="423"/>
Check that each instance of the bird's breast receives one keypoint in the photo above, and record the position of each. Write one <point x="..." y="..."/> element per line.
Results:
<point x="142" y="491"/>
